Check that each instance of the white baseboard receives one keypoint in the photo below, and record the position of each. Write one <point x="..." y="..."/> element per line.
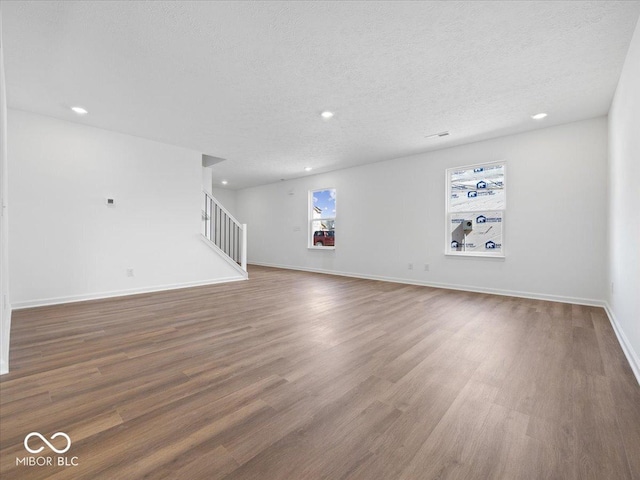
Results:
<point x="629" y="352"/>
<point x="464" y="288"/>
<point x="119" y="293"/>
<point x="4" y="368"/>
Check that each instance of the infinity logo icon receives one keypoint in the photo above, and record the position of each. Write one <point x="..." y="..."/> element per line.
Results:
<point x="57" y="434"/>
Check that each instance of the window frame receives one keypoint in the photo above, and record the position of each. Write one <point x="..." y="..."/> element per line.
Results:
<point x="310" y="228"/>
<point x="472" y="213"/>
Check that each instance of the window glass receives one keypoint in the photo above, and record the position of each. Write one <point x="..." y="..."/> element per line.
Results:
<point x="475" y="210"/>
<point x="477" y="188"/>
<point x="322" y="218"/>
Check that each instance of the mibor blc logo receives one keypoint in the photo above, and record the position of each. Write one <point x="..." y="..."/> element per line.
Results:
<point x="41" y="437"/>
<point x="32" y="445"/>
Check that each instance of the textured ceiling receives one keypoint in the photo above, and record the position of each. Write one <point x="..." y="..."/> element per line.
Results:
<point x="247" y="81"/>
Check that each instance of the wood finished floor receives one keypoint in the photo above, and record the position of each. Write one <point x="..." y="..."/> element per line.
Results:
<point x="303" y="376"/>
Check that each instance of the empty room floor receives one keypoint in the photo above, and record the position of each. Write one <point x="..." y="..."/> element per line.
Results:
<point x="294" y="375"/>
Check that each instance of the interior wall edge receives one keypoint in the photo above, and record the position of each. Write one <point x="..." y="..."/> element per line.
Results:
<point x="119" y="293"/>
<point x="625" y="344"/>
<point x="463" y="288"/>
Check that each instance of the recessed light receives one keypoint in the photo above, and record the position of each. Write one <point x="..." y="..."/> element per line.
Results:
<point x="308" y="169"/>
<point x="538" y="116"/>
<point x="224" y="182"/>
<point x="436" y="135"/>
<point x="326" y="115"/>
<point x="79" y="110"/>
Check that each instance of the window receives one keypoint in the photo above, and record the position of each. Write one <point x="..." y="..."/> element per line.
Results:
<point x="322" y="218"/>
<point x="476" y="201"/>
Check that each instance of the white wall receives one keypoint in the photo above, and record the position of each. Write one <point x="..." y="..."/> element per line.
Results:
<point x="624" y="205"/>
<point x="207" y="179"/>
<point x="228" y="200"/>
<point x="67" y="244"/>
<point x="392" y="213"/>
<point x="225" y="196"/>
<point x="5" y="305"/>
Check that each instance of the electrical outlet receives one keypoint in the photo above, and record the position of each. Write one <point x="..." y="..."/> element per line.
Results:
<point x="426" y="267"/>
<point x="129" y="272"/>
<point x="410" y="266"/>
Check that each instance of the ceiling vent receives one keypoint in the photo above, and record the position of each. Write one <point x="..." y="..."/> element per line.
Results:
<point x="438" y="135"/>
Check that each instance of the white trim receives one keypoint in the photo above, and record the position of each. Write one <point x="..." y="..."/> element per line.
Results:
<point x="5" y="304"/>
<point x="119" y="293"/>
<point x="310" y="207"/>
<point x="4" y="354"/>
<point x="476" y="165"/>
<point x="226" y="257"/>
<point x="475" y="254"/>
<point x="448" y="286"/>
<point x="627" y="348"/>
<point x="448" y="213"/>
<point x="243" y="253"/>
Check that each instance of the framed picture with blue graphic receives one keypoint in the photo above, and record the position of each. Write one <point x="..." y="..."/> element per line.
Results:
<point x="476" y="204"/>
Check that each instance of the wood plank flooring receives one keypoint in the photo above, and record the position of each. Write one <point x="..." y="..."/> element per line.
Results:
<point x="298" y="376"/>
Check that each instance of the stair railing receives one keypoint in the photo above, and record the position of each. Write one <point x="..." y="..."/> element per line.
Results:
<point x="224" y="231"/>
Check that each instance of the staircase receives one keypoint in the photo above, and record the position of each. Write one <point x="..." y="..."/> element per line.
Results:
<point x="224" y="233"/>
